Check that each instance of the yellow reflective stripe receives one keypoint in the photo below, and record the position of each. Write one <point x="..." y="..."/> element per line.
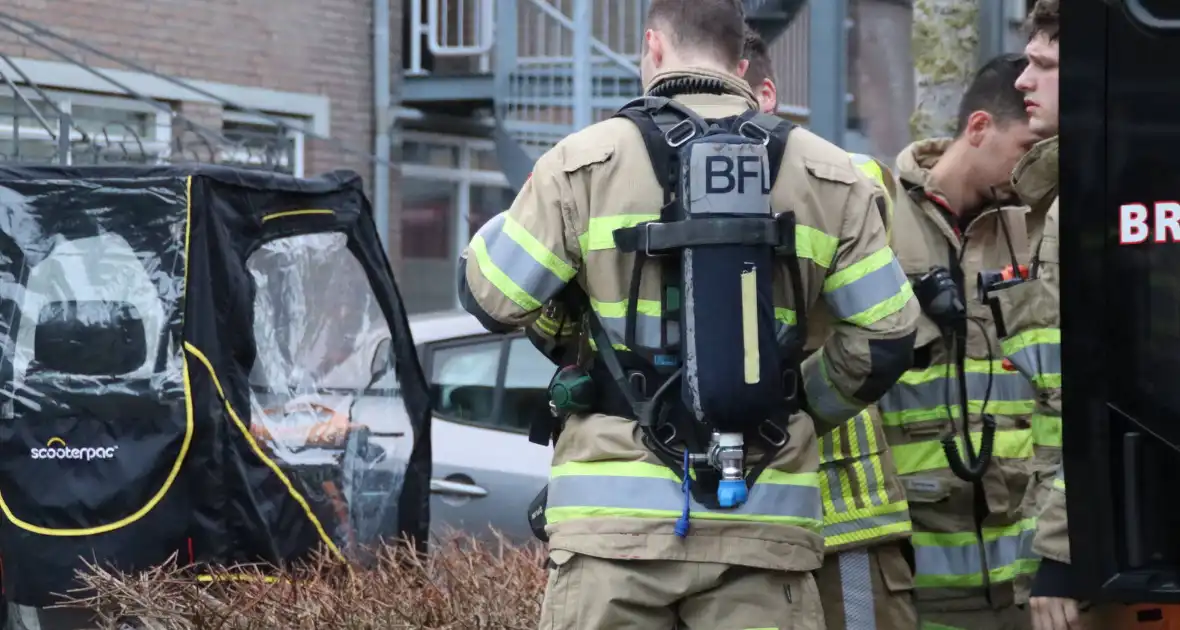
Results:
<point x="1059" y="483"/>
<point x="928" y="455"/>
<point x="600" y="231"/>
<point x="784" y="315"/>
<point x="650" y="308"/>
<point x="1046" y="430"/>
<point x="537" y="250"/>
<point x="1020" y="341"/>
<point x="878" y="470"/>
<point x="815" y="245"/>
<point x="546" y="325"/>
<point x="860" y="526"/>
<point x="499" y="279"/>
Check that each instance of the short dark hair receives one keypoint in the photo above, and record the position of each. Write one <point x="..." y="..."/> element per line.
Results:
<point x="715" y="25"/>
<point x="1045" y="17"/>
<point x="993" y="90"/>
<point x="755" y="52"/>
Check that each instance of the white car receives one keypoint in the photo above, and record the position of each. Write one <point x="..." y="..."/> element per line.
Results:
<point x="485" y="390"/>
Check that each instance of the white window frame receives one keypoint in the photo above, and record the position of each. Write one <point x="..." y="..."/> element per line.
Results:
<point x="465" y="176"/>
<point x="294" y="127"/>
<point x="65" y="101"/>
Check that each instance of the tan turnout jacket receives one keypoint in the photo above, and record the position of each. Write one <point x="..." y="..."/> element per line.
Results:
<point x="609" y="496"/>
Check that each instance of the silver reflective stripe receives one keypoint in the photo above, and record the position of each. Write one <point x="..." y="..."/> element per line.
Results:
<point x="517" y="263"/>
<point x="1038" y="358"/>
<point x="866" y="523"/>
<point x="964" y="560"/>
<point x="1005" y="387"/>
<point x="666" y="495"/>
<point x="856" y="583"/>
<point x="864" y="293"/>
<point x="647" y="330"/>
<point x="945" y="561"/>
<point x="823" y="398"/>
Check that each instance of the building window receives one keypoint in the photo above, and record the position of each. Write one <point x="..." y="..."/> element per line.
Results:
<point x="451" y="186"/>
<point x="259" y="143"/>
<point x="103" y="129"/>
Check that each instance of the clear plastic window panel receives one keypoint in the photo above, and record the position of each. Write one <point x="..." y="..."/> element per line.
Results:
<point x="325" y="403"/>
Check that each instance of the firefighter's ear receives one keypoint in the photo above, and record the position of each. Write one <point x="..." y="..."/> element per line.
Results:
<point x="978" y="125"/>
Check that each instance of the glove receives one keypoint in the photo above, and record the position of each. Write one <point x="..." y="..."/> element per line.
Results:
<point x="938" y="295"/>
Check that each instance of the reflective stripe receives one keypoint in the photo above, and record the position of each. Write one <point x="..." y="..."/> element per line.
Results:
<point x="868" y="290"/>
<point x="856" y="450"/>
<point x="810" y="243"/>
<point x="517" y="264"/>
<point x="600" y="232"/>
<point x="822" y="396"/>
<point x="879" y="522"/>
<point x="1037" y="354"/>
<point x="856" y="586"/>
<point x="643" y="490"/>
<point x="921" y="394"/>
<point x="1059" y="478"/>
<point x="953" y="560"/>
<point x="613" y="316"/>
<point x="865" y="513"/>
<point x="1046" y="430"/>
<point x="547" y="325"/>
<point x="647" y="322"/>
<point x="871" y="167"/>
<point x="928" y="454"/>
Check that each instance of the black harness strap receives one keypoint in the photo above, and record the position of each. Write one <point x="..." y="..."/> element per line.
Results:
<point x="664" y="126"/>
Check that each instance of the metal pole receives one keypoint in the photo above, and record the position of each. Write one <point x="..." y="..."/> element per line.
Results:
<point x="828" y="73"/>
<point x="583" y="81"/>
<point x="63" y="139"/>
<point x="992" y="27"/>
<point x="382" y="110"/>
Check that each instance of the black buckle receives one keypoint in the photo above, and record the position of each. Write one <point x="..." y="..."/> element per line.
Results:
<point x="647" y="239"/>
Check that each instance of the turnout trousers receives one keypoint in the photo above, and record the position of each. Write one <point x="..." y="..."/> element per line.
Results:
<point x="588" y="593"/>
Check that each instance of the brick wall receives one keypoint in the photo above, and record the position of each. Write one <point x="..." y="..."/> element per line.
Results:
<point x="312" y="46"/>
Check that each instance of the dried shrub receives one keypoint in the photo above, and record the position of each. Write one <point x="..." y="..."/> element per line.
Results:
<point x="463" y="583"/>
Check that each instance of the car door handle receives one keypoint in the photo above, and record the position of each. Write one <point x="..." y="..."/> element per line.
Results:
<point x="457" y="489"/>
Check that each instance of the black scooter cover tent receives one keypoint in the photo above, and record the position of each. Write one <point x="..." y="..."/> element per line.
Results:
<point x="204" y="361"/>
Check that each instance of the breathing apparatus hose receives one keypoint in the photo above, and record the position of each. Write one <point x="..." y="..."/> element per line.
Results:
<point x="976" y="465"/>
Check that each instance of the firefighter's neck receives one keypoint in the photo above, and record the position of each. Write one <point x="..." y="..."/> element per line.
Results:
<point x="687" y="60"/>
<point x="954" y="176"/>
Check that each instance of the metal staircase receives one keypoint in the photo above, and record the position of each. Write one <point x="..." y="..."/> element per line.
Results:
<point x="541" y="68"/>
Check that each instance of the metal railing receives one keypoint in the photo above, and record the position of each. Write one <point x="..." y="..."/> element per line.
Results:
<point x="570" y="69"/>
<point x="558" y="70"/>
<point x="451" y="28"/>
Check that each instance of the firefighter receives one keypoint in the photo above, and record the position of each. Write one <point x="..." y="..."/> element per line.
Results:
<point x="865" y="581"/>
<point x="1031" y="317"/>
<point x="702" y="506"/>
<point x="954" y="218"/>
